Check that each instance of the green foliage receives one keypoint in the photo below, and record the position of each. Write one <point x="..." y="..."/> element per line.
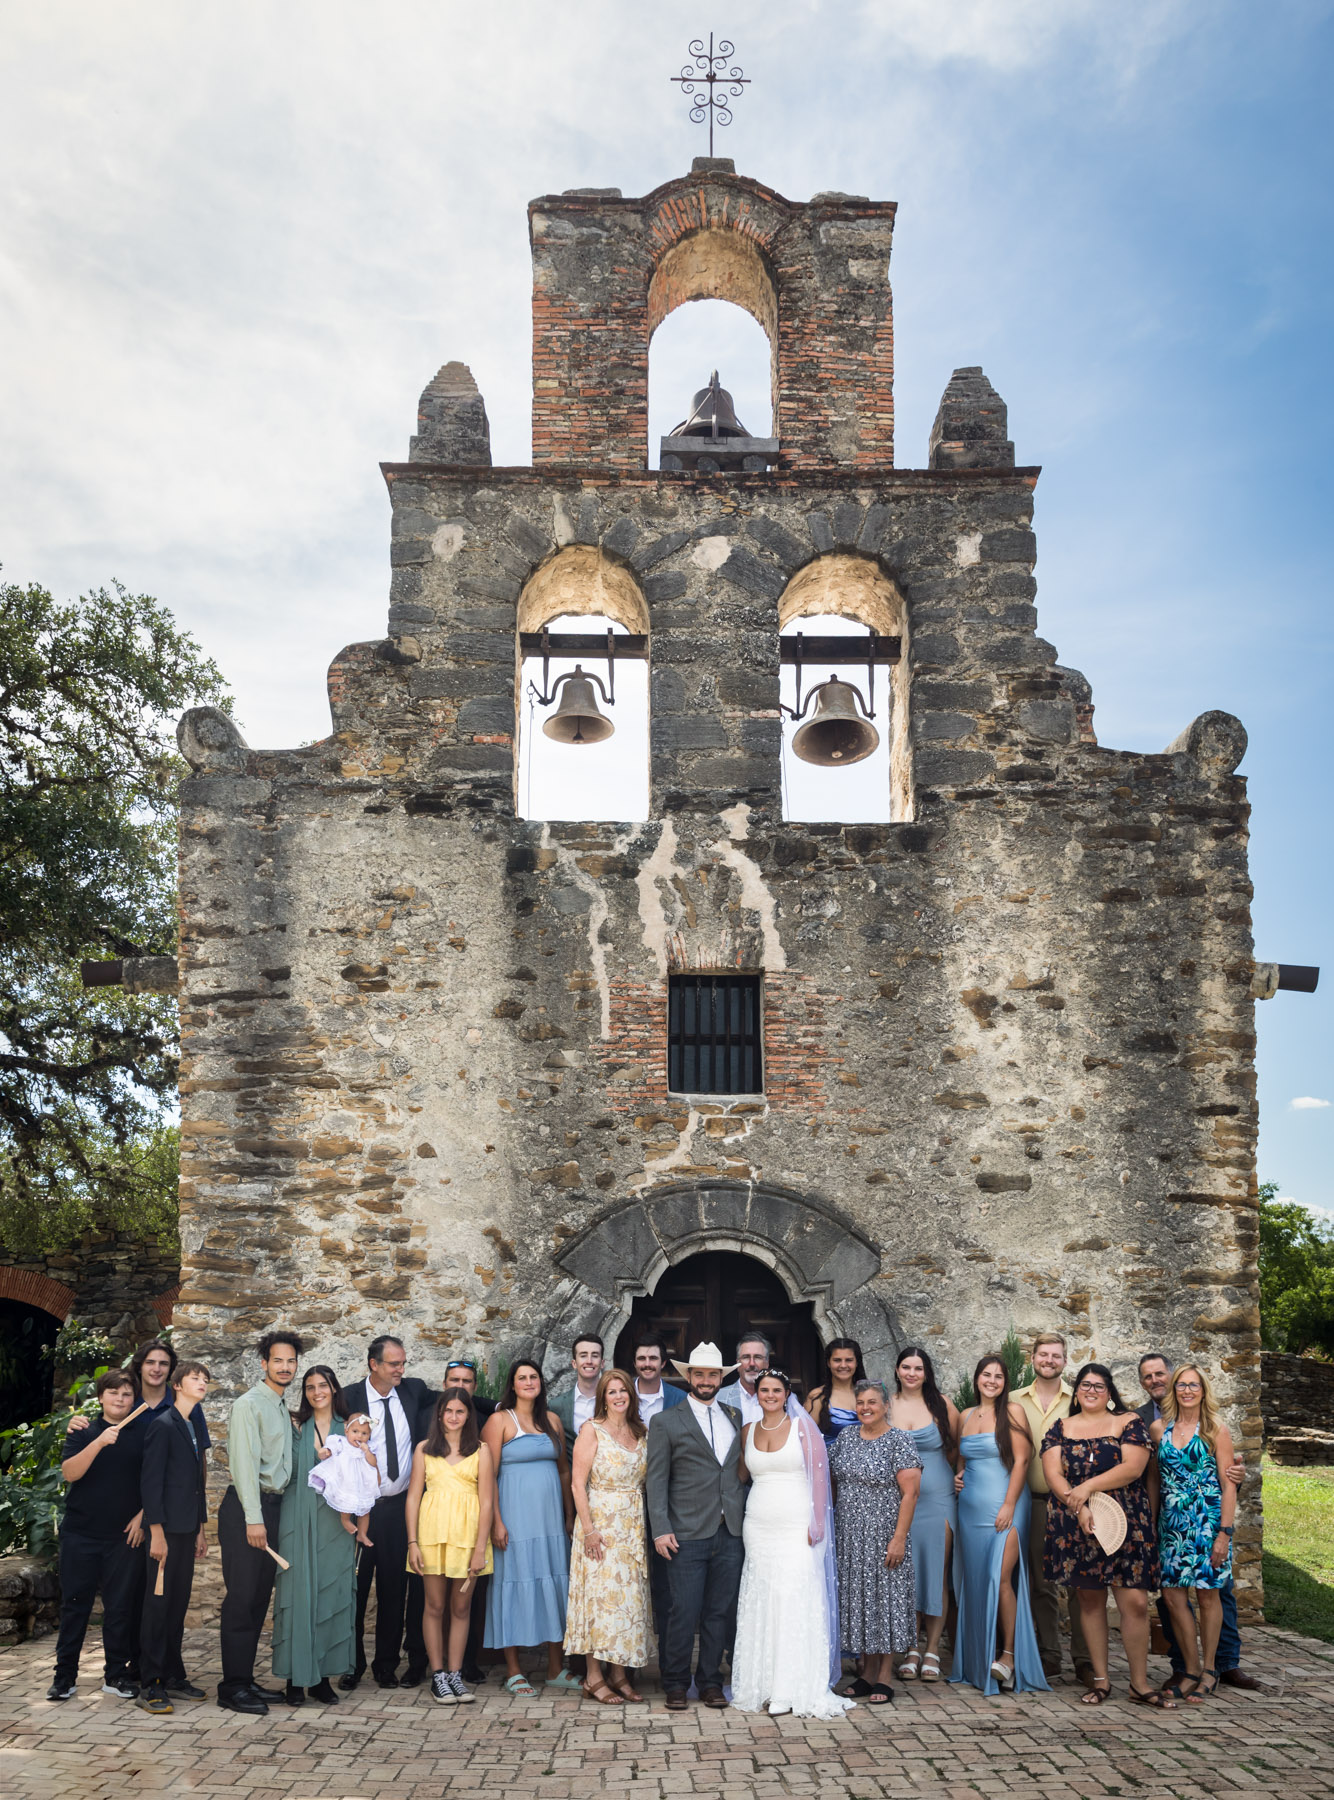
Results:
<point x="1017" y="1365"/>
<point x="1296" y="1277"/>
<point x="32" y="1493"/>
<point x="490" y="1386"/>
<point x="79" y="1350"/>
<point x="88" y="770"/>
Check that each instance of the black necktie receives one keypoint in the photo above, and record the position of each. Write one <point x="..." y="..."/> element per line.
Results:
<point x="390" y="1438"/>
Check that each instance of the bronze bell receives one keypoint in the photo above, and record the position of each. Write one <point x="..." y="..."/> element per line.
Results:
<point x="712" y="414"/>
<point x="836" y="734"/>
<point x="577" y="719"/>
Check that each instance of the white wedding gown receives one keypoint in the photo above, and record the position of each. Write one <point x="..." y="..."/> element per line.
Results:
<point x="782" y="1640"/>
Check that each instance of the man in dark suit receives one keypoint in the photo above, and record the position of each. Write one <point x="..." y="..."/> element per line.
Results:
<point x="398" y="1406"/>
<point x="1155" y="1377"/>
<point x="695" y="1507"/>
<point x="172" y="1487"/>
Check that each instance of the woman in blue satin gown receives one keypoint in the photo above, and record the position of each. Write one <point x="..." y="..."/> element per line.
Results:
<point x="834" y="1405"/>
<point x="931" y="1421"/>
<point x="990" y="1556"/>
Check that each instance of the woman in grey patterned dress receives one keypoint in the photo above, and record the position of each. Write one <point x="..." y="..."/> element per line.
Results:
<point x="877" y="1473"/>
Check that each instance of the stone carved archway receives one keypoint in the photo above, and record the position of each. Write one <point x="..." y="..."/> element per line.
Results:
<point x="816" y="1250"/>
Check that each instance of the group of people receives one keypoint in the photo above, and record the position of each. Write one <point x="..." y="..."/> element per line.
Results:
<point x="732" y="1524"/>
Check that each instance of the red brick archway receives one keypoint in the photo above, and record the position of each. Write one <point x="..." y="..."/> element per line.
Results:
<point x="32" y="1289"/>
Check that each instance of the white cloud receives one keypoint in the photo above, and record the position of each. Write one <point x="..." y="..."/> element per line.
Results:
<point x="1306" y="1103"/>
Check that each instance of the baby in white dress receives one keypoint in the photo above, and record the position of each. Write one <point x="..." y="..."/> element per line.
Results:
<point x="348" y="1476"/>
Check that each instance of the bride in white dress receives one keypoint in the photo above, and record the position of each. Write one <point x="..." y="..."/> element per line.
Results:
<point x="787" y="1648"/>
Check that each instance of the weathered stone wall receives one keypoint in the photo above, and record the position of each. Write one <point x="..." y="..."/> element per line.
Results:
<point x="1009" y="1035"/>
<point x="1296" y="1393"/>
<point x="116" y="1285"/>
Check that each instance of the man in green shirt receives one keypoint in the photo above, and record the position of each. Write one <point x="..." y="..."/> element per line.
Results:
<point x="259" y="1456"/>
<point x="1044" y="1400"/>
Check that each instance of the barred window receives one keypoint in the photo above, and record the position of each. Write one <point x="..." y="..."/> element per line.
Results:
<point x="714" y="1035"/>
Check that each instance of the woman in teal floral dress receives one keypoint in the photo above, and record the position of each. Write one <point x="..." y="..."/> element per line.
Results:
<point x="1196" y="1509"/>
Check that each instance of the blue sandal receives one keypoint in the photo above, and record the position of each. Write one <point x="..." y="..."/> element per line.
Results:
<point x="520" y="1688"/>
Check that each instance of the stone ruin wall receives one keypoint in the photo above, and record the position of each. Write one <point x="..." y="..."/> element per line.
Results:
<point x="1009" y="1035"/>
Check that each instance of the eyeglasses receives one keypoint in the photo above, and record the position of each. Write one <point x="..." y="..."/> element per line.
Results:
<point x="1188" y="1387"/>
<point x="1093" y="1387"/>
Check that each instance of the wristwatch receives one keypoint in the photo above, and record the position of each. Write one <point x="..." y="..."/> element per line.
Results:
<point x="1226" y="1530"/>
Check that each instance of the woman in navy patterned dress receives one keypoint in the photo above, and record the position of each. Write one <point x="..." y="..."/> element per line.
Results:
<point x="1102" y="1447"/>
<point x="1196" y="1510"/>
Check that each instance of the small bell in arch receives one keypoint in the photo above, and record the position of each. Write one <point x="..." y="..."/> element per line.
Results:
<point x="836" y="734"/>
<point x="712" y="414"/>
<point x="578" y="720"/>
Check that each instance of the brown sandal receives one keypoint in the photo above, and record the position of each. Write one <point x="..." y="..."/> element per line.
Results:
<point x="1096" y="1694"/>
<point x="602" y="1694"/>
<point x="624" y="1689"/>
<point x="1151" y="1697"/>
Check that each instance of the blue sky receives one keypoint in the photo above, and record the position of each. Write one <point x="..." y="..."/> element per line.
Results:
<point x="237" y="240"/>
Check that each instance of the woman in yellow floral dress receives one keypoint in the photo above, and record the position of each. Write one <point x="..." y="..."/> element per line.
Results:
<point x="608" y="1615"/>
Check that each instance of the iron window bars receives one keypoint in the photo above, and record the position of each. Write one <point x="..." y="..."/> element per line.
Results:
<point x="714" y="1034"/>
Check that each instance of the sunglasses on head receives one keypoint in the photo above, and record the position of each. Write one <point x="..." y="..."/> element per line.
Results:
<point x="462" y="1363"/>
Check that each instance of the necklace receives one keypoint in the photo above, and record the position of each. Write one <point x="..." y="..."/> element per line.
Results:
<point x="764" y="1427"/>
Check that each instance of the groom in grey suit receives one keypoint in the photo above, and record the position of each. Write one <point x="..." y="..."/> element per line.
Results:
<point x="695" y="1505"/>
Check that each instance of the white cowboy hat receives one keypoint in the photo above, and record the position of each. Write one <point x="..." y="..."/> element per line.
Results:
<point x="705" y="1356"/>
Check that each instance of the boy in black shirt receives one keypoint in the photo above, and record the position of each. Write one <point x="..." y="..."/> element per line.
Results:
<point x="100" y="1539"/>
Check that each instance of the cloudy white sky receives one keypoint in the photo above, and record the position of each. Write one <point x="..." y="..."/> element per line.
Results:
<point x="236" y="239"/>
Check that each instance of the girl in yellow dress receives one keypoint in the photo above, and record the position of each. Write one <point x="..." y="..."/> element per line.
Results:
<point x="450" y="1503"/>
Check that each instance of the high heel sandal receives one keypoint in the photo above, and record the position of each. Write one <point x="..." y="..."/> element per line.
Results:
<point x="930" y="1667"/>
<point x="603" y="1694"/>
<point x="911" y="1666"/>
<point x="1004" y="1673"/>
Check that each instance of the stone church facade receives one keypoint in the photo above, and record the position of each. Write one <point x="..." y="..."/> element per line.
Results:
<point x="1008" y="1033"/>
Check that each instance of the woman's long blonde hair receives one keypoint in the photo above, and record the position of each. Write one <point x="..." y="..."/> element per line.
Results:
<point x="1209" y="1419"/>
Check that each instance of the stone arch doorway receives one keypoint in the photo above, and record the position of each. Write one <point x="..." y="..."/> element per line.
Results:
<point x="717" y="1296"/>
<point x="815" y="1251"/>
<point x="27" y="1334"/>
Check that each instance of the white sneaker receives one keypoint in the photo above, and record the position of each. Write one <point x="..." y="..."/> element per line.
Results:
<point x="442" y="1689"/>
<point x="463" y="1695"/>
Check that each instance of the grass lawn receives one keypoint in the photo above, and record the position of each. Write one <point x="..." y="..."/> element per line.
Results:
<point x="1299" y="1549"/>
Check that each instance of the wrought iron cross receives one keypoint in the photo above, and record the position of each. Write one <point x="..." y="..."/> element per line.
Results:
<point x="699" y="82"/>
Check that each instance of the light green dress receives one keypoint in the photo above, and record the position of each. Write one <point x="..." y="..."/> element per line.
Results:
<point x="314" y="1602"/>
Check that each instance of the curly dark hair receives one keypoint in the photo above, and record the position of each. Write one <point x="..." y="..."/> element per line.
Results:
<point x="271" y="1339"/>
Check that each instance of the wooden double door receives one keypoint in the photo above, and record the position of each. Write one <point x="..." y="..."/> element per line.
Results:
<point x="716" y="1297"/>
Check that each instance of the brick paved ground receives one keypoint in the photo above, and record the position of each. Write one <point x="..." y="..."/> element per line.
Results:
<point x="943" y="1741"/>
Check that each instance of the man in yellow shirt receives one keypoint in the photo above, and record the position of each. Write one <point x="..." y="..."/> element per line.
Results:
<point x="1044" y="1400"/>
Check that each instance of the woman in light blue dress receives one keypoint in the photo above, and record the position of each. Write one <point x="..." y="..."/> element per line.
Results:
<point x="920" y="1409"/>
<point x="990" y="1560"/>
<point x="530" y="1532"/>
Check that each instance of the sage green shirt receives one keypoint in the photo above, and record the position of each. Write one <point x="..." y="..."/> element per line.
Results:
<point x="259" y="1448"/>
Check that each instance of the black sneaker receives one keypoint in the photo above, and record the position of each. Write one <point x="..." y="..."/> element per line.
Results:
<point x="154" y="1700"/>
<point x="462" y="1694"/>
<point x="60" y="1689"/>
<point x="185" y="1690"/>
<point x="121" y="1686"/>
<point x="442" y="1689"/>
